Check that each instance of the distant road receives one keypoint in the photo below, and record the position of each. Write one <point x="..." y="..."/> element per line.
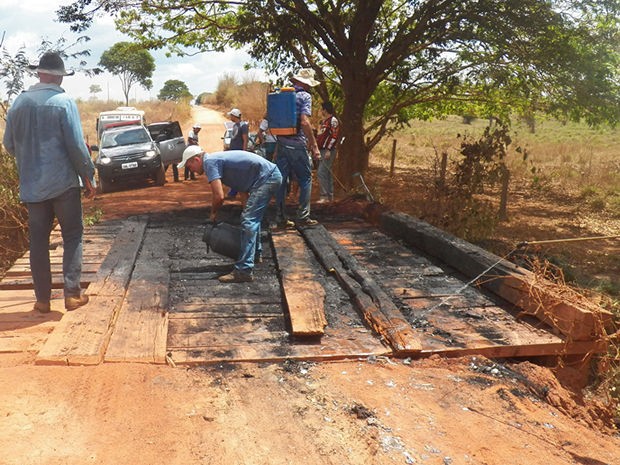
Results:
<point x="212" y="123"/>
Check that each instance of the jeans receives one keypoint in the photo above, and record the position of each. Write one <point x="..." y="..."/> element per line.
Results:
<point x="175" y="171"/>
<point x="251" y="218"/>
<point x="67" y="207"/>
<point x="294" y="159"/>
<point x="324" y="174"/>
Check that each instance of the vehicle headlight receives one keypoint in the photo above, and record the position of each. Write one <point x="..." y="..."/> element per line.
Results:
<point x="104" y="160"/>
<point x="150" y="154"/>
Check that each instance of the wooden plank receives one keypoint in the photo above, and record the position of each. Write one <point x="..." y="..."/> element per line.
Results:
<point x="225" y="325"/>
<point x="573" y="315"/>
<point x="333" y="345"/>
<point x="304" y="295"/>
<point x="115" y="271"/>
<point x="82" y="336"/>
<point x="55" y="268"/>
<point x="225" y="331"/>
<point x="210" y="310"/>
<point x="376" y="307"/>
<point x="25" y="282"/>
<point x="142" y="326"/>
<point x="24" y="341"/>
<point x="531" y="350"/>
<point x="91" y="257"/>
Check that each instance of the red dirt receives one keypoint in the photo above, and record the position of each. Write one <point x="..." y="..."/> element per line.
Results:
<point x="372" y="411"/>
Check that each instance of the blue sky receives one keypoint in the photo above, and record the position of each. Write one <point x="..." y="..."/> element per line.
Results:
<point x="26" y="22"/>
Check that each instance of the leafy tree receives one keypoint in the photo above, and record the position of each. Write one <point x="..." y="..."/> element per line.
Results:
<point x="131" y="63"/>
<point x="174" y="90"/>
<point x="384" y="62"/>
<point x="13" y="68"/>
<point x="94" y="89"/>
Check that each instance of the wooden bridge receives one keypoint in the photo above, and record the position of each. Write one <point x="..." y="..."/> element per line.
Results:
<point x="347" y="288"/>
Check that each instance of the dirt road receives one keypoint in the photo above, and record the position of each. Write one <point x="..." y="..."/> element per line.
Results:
<point x="369" y="411"/>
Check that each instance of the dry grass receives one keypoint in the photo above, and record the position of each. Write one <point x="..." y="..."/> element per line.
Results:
<point x="567" y="156"/>
<point x="154" y="111"/>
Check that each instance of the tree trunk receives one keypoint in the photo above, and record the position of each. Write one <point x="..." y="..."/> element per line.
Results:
<point x="353" y="153"/>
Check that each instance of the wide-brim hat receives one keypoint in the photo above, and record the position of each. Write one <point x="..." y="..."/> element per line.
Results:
<point x="188" y="153"/>
<point x="51" y="63"/>
<point x="306" y="76"/>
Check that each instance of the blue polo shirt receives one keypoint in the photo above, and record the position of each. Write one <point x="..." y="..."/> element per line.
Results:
<point x="241" y="170"/>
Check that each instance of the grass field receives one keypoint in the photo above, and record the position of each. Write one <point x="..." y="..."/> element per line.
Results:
<point x="563" y="157"/>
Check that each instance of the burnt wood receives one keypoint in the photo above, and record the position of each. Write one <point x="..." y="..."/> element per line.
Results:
<point x="572" y="315"/>
<point x="376" y="307"/>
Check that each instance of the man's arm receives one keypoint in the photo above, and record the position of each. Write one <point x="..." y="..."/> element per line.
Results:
<point x="244" y="136"/>
<point x="89" y="189"/>
<point x="7" y="140"/>
<point x="217" y="197"/>
<point x="306" y="127"/>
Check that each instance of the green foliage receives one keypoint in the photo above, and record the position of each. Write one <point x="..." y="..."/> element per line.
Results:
<point x="131" y="63"/>
<point x="94" y="89"/>
<point x="483" y="161"/>
<point x="12" y="69"/>
<point x="92" y="216"/>
<point x="13" y="215"/>
<point x="174" y="90"/>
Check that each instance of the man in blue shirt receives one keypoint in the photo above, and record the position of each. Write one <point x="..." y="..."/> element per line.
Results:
<point x="244" y="172"/>
<point x="240" y="131"/>
<point x="44" y="133"/>
<point x="292" y="152"/>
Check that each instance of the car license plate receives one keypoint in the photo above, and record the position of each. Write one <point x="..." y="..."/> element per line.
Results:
<point x="130" y="165"/>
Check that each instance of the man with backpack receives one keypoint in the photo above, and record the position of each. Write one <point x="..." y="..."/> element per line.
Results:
<point x="292" y="152"/>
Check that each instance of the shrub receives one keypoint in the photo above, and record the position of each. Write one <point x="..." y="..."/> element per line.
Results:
<point x="13" y="216"/>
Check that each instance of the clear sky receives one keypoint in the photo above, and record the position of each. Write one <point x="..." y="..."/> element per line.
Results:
<point x="27" y="22"/>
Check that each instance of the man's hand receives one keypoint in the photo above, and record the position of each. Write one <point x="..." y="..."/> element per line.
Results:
<point x="89" y="189"/>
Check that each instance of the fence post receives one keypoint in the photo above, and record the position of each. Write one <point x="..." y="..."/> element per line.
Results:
<point x="393" y="158"/>
<point x="442" y="169"/>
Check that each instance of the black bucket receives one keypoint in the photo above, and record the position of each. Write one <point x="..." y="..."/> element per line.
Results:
<point x="223" y="238"/>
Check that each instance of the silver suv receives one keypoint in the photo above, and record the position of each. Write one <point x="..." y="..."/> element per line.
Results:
<point x="130" y="152"/>
<point x="127" y="152"/>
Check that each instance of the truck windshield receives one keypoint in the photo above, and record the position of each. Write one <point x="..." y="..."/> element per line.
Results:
<point x="129" y="137"/>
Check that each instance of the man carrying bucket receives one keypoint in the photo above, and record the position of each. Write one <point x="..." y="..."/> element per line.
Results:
<point x="244" y="172"/>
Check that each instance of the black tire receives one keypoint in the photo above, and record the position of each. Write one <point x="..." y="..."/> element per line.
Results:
<point x="160" y="176"/>
<point x="105" y="185"/>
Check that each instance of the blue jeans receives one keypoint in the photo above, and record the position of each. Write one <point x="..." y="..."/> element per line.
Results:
<point x="294" y="159"/>
<point x="67" y="207"/>
<point x="251" y="218"/>
<point x="324" y="174"/>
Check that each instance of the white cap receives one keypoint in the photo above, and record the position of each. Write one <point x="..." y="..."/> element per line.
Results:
<point x="235" y="112"/>
<point x="196" y="126"/>
<point x="188" y="153"/>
